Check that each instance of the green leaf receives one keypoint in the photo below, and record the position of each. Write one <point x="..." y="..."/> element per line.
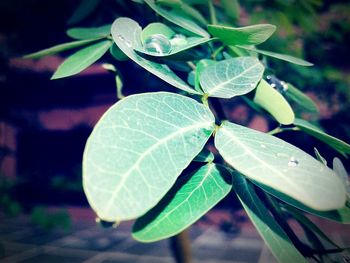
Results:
<point x="178" y="18"/>
<point x="301" y="99"/>
<point x="84" y="9"/>
<point x="231" y="77"/>
<point x="231" y="8"/>
<point x="284" y="57"/>
<point x="340" y="170"/>
<point x="59" y="48"/>
<point x="123" y="30"/>
<point x="272" y="101"/>
<point x="299" y="216"/>
<point x="117" y="53"/>
<point x="339" y="145"/>
<point x="138" y="149"/>
<point x="201" y="65"/>
<point x="279" y="165"/>
<point x="274" y="236"/>
<point x="249" y="35"/>
<point x="205" y="156"/>
<point x="190" y="198"/>
<point x="319" y="157"/>
<point x="82" y="59"/>
<point x="156" y="28"/>
<point x="89" y="32"/>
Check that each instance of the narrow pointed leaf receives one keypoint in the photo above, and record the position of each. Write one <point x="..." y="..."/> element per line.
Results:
<point x="319" y="157"/>
<point x="231" y="77"/>
<point x="301" y="99"/>
<point x="299" y="216"/>
<point x="339" y="145"/>
<point x="138" y="149"/>
<point x="177" y="18"/>
<point x="288" y="58"/>
<point x="274" y="236"/>
<point x="249" y="35"/>
<point x="82" y="59"/>
<point x="205" y="156"/>
<point x="190" y="198"/>
<point x="59" y="48"/>
<point x="123" y="32"/>
<point x="279" y="165"/>
<point x="273" y="102"/>
<point x="89" y="32"/>
<point x="201" y="65"/>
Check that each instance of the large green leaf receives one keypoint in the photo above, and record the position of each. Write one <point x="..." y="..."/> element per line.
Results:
<point x="275" y="163"/>
<point x="333" y="142"/>
<point x="82" y="59"/>
<point x="274" y="236"/>
<point x="123" y="32"/>
<point x="89" y="32"/>
<point x="272" y="101"/>
<point x="231" y="77"/>
<point x="301" y="99"/>
<point x="249" y="35"/>
<point x="176" y="17"/>
<point x="138" y="149"/>
<point x="288" y="58"/>
<point x="190" y="198"/>
<point x="59" y="48"/>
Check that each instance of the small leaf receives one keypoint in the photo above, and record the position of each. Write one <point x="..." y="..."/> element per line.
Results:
<point x="299" y="216"/>
<point x="156" y="28"/>
<point x="82" y="59"/>
<point x="231" y="77"/>
<point x="249" y="35"/>
<point x="339" y="145"/>
<point x="117" y="53"/>
<point x="190" y="198"/>
<point x="274" y="236"/>
<point x="138" y="149"/>
<point x="177" y="18"/>
<point x="84" y="9"/>
<point x="201" y="65"/>
<point x="301" y="99"/>
<point x="279" y="165"/>
<point x="284" y="57"/>
<point x="205" y="156"/>
<point x="123" y="32"/>
<point x="319" y="157"/>
<point x="340" y="170"/>
<point x="89" y="32"/>
<point x="59" y="48"/>
<point x="272" y="101"/>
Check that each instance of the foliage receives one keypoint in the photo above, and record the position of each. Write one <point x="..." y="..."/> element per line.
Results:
<point x="136" y="161"/>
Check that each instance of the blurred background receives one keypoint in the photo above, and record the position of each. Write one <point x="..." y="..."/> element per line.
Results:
<point x="44" y="123"/>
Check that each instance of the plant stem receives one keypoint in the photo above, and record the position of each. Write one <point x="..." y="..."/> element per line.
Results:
<point x="181" y="248"/>
<point x="213" y="18"/>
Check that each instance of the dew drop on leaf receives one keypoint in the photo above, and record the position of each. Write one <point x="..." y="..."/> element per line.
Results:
<point x="158" y="43"/>
<point x="178" y="40"/>
<point x="277" y="84"/>
<point x="263" y="146"/>
<point x="293" y="162"/>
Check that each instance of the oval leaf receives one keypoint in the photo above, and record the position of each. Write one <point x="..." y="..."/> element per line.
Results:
<point x="82" y="59"/>
<point x="89" y="32"/>
<point x="176" y="17"/>
<point x="281" y="166"/>
<point x="138" y="149"/>
<point x="301" y="99"/>
<point x="272" y="101"/>
<point x="274" y="236"/>
<point x="249" y="35"/>
<point x="205" y="156"/>
<point x="339" y="145"/>
<point x="123" y="32"/>
<point x="59" y="48"/>
<point x="288" y="58"/>
<point x="231" y="77"/>
<point x="156" y="28"/>
<point x="190" y="198"/>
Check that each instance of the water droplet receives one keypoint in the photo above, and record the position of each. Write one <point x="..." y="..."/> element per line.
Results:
<point x="158" y="44"/>
<point x="127" y="42"/>
<point x="178" y="40"/>
<point x="263" y="146"/>
<point x="121" y="37"/>
<point x="252" y="85"/>
<point x="277" y="84"/>
<point x="293" y="162"/>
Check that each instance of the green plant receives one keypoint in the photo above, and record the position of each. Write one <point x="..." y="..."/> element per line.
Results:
<point x="135" y="158"/>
